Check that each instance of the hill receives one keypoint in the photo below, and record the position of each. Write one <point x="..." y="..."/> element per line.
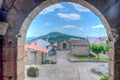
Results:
<point x="56" y="36"/>
<point x="30" y="38"/>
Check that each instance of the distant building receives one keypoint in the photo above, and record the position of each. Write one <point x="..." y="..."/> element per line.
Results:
<point x="63" y="45"/>
<point x="80" y="47"/>
<point x="41" y="42"/>
<point x="94" y="40"/>
<point x="35" y="54"/>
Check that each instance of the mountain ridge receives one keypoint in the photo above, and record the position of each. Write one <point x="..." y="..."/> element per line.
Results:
<point x="53" y="37"/>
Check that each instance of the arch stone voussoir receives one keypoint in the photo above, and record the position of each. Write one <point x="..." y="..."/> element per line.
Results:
<point x="45" y="4"/>
<point x="3" y="27"/>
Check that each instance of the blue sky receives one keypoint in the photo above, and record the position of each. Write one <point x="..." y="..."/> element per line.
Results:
<point x="68" y="18"/>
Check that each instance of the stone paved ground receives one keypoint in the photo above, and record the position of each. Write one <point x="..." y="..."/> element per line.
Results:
<point x="64" y="70"/>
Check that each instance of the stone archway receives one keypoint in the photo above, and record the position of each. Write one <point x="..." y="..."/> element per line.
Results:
<point x="22" y="12"/>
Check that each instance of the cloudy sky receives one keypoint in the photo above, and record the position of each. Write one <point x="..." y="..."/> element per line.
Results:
<point x="68" y="18"/>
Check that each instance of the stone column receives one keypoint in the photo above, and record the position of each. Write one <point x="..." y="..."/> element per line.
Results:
<point x="117" y="59"/>
<point x="111" y="60"/>
<point x="21" y="54"/>
<point x="114" y="62"/>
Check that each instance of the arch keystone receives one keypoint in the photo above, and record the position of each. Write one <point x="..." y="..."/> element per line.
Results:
<point x="75" y="1"/>
<point x="56" y="1"/>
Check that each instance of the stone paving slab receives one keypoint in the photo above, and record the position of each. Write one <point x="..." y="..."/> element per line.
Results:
<point x="56" y="72"/>
<point x="83" y="74"/>
<point x="63" y="70"/>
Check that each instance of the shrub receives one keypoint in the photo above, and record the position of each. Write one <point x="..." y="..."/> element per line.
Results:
<point x="97" y="49"/>
<point x="33" y="71"/>
<point x="104" y="78"/>
<point x="33" y="68"/>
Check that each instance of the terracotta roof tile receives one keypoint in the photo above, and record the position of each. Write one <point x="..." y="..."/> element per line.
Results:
<point x="98" y="43"/>
<point x="36" y="47"/>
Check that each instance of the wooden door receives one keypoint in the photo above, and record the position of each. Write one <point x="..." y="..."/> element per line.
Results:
<point x="1" y="53"/>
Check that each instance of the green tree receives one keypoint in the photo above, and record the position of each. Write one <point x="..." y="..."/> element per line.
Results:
<point x="107" y="46"/>
<point x="104" y="78"/>
<point x="107" y="42"/>
<point x="97" y="49"/>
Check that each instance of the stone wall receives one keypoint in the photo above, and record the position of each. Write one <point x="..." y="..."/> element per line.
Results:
<point x="61" y="43"/>
<point x="33" y="58"/>
<point x="80" y="50"/>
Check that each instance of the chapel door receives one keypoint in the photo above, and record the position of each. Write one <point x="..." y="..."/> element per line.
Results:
<point x="64" y="45"/>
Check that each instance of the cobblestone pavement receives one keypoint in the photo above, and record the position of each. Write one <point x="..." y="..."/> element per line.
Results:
<point x="63" y="70"/>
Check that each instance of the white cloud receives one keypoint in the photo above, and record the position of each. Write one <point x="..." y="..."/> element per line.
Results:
<point x="98" y="26"/>
<point x="51" y="8"/>
<point x="80" y="7"/>
<point x="81" y="29"/>
<point x="70" y="16"/>
<point x="47" y="24"/>
<point x="69" y="26"/>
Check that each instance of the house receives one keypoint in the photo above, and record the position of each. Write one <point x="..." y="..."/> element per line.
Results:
<point x="63" y="45"/>
<point x="52" y="54"/>
<point x="41" y="42"/>
<point x="35" y="54"/>
<point x="94" y="40"/>
<point x="80" y="47"/>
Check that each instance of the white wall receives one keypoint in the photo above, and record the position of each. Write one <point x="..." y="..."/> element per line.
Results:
<point x="30" y="58"/>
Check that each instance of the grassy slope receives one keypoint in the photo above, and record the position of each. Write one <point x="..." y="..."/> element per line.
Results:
<point x="85" y="58"/>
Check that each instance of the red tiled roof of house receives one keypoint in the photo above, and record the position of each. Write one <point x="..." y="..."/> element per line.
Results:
<point x="36" y="47"/>
<point x="98" y="43"/>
